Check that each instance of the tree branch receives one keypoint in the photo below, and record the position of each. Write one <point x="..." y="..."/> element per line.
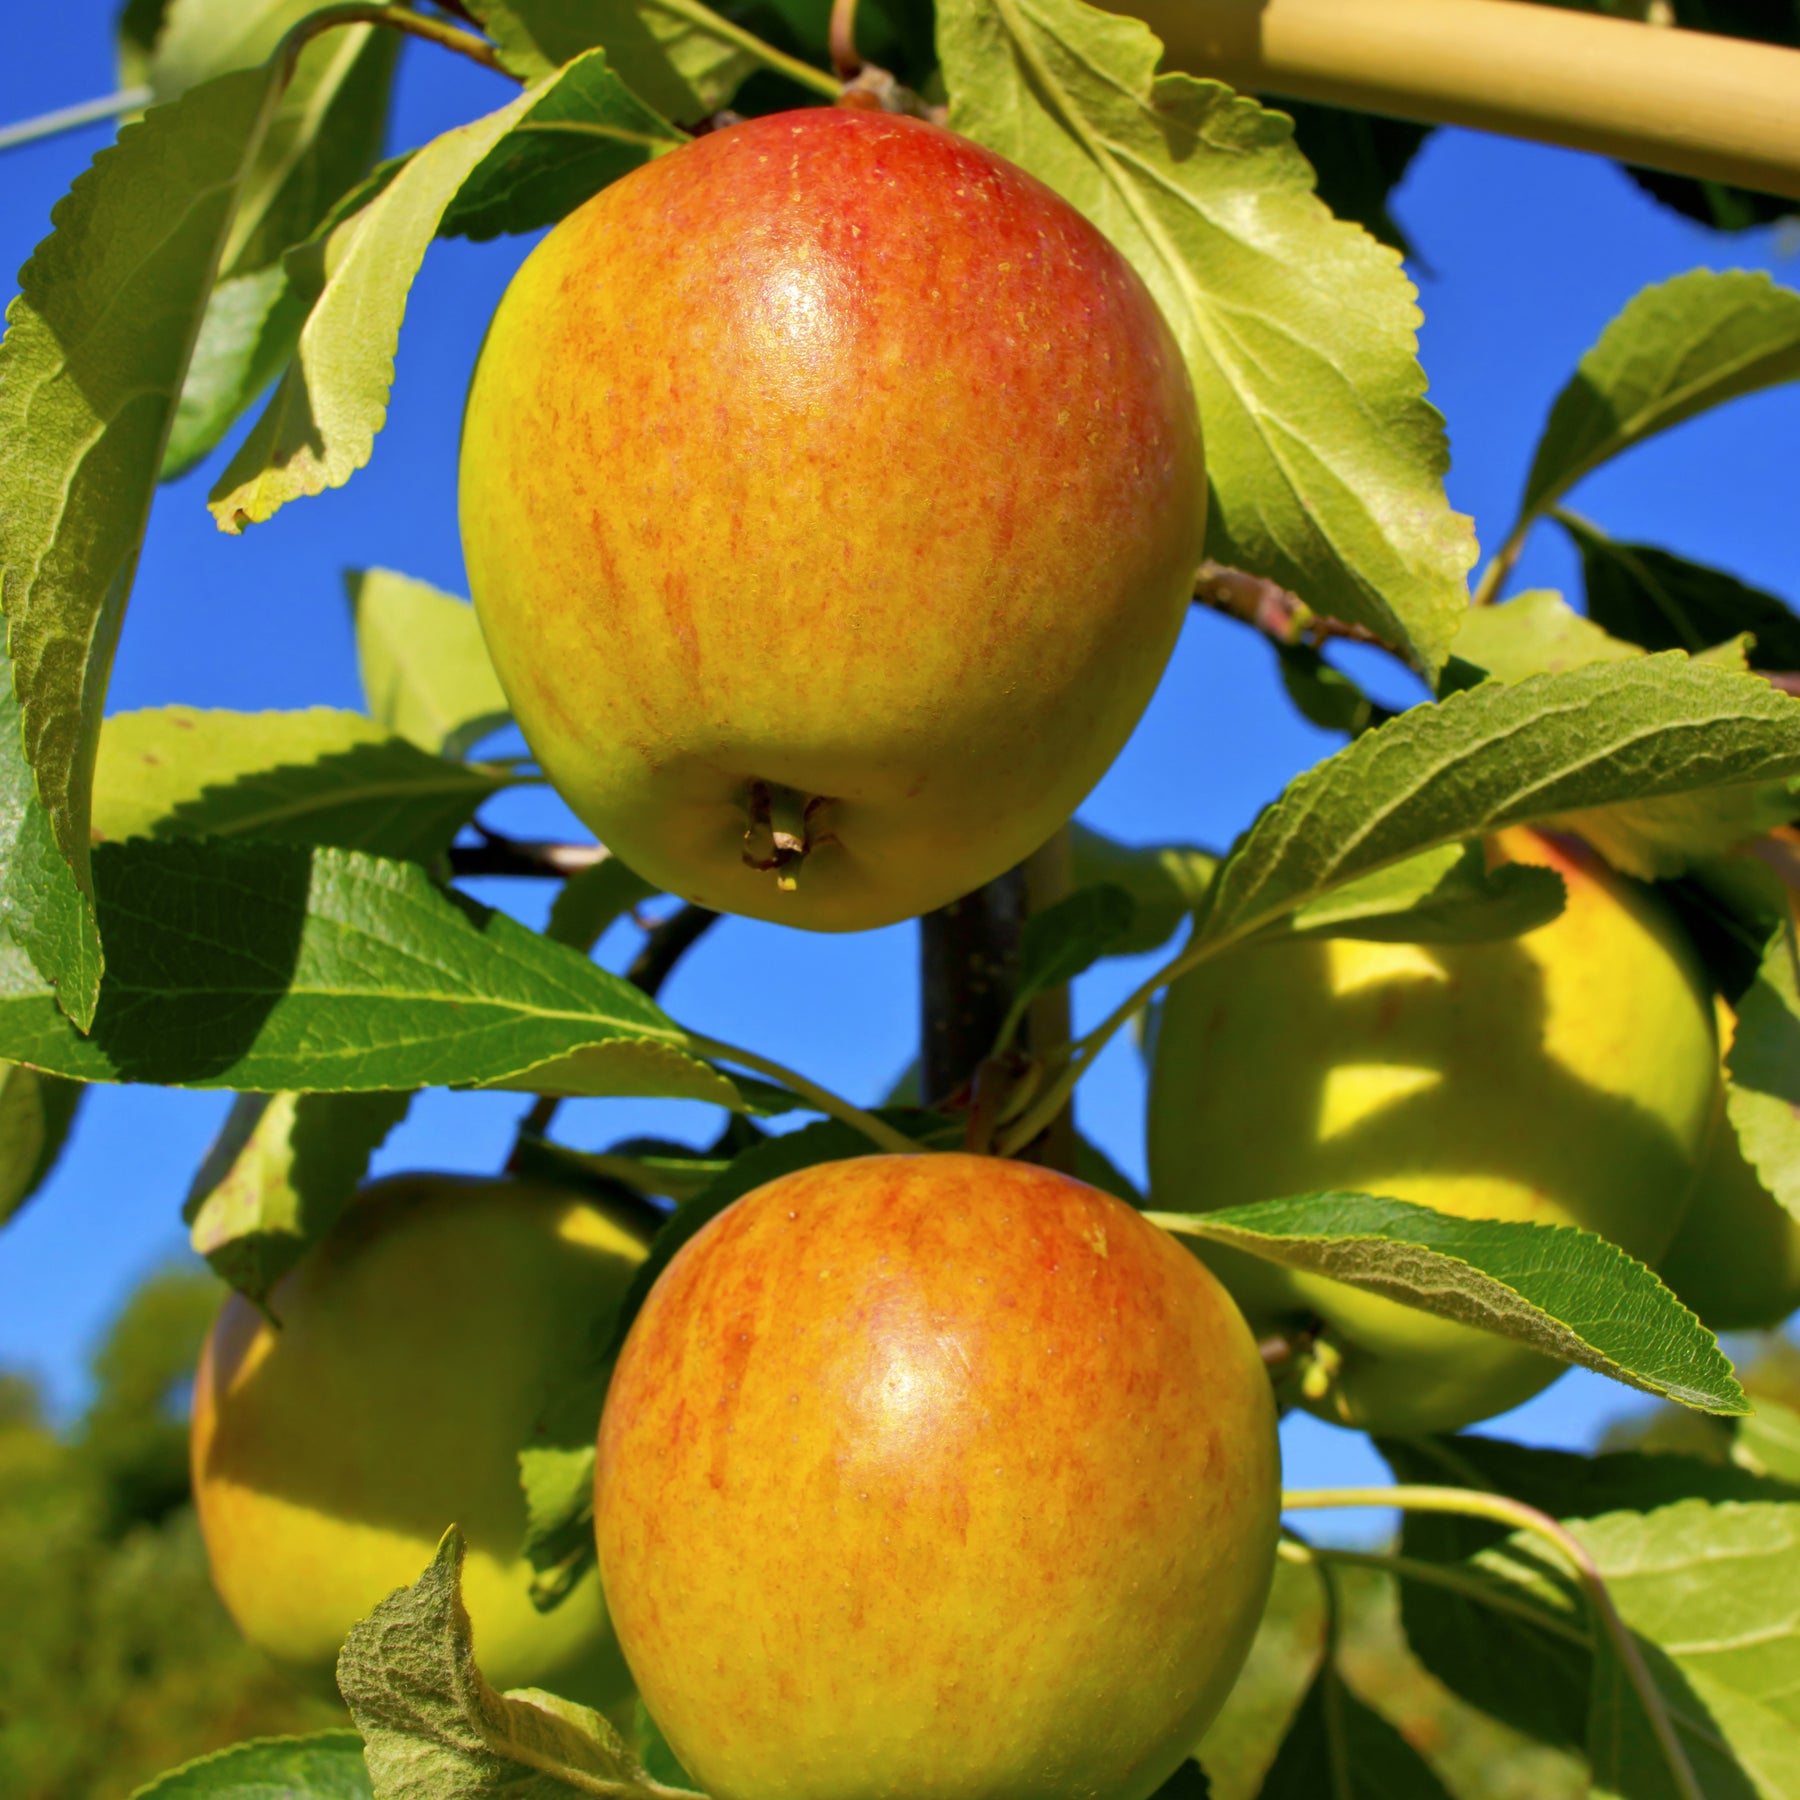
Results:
<point x="497" y="854"/>
<point x="1270" y="608"/>
<point x="668" y="942"/>
<point x="1724" y="109"/>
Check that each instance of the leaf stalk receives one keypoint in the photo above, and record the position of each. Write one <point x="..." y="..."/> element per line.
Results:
<point x="834" y="1106"/>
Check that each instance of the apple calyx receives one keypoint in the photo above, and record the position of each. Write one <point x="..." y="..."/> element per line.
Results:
<point x="783" y="830"/>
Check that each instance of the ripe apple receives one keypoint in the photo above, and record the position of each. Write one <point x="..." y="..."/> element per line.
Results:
<point x="935" y="1476"/>
<point x="416" y="1346"/>
<point x="831" y="494"/>
<point x="1736" y="1258"/>
<point x="1566" y="1076"/>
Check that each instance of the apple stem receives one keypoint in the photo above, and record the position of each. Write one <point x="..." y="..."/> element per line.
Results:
<point x="783" y="829"/>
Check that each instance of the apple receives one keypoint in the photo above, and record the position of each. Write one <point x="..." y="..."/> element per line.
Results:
<point x="1736" y="1258"/>
<point x="1566" y="1076"/>
<point x="832" y="495"/>
<point x="936" y="1476"/>
<point x="415" y="1349"/>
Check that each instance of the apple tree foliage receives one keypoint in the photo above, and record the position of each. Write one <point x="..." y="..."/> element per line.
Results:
<point x="268" y="903"/>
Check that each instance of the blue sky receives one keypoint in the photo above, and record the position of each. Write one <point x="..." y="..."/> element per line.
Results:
<point x="1527" y="253"/>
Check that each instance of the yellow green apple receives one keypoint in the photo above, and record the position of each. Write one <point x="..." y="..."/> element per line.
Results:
<point x="935" y="1476"/>
<point x="416" y="1346"/>
<point x="831" y="494"/>
<point x="1566" y="1077"/>
<point x="1736" y="1258"/>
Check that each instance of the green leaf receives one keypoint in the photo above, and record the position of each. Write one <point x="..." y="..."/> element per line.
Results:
<point x="1563" y="1484"/>
<point x="95" y="353"/>
<point x="326" y="1766"/>
<point x="1762" y="1068"/>
<point x="433" y="1727"/>
<point x="251" y="326"/>
<point x="264" y="967"/>
<point x="1553" y="747"/>
<point x="1326" y="462"/>
<point x="313" y="777"/>
<point x="1667" y="603"/>
<point x="557" y="1469"/>
<point x="424" y="664"/>
<point x="1340" y="1747"/>
<point x="536" y="37"/>
<point x="323" y="139"/>
<point x="1713" y="1594"/>
<point x="711" y="54"/>
<point x="278" y="1175"/>
<point x="1359" y="159"/>
<point x="1322" y="695"/>
<point x="320" y="426"/>
<point x="1768" y="1442"/>
<point x="654" y="1753"/>
<point x="1534" y="634"/>
<point x="1566" y="1293"/>
<point x="36" y="1112"/>
<point x="1655" y="840"/>
<point x="1677" y="349"/>
<point x="1187" y="1783"/>
<point x="1067" y="939"/>
<point x="1446" y="896"/>
<point x="592" y="899"/>
<point x="200" y="39"/>
<point x="1168" y="881"/>
<point x="326" y="132"/>
<point x="43" y="907"/>
<point x="139" y="24"/>
<point x="586" y="130"/>
<point x="1535" y="1676"/>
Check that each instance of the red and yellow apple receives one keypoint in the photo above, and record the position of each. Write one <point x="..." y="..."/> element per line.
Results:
<point x="938" y="1476"/>
<point x="415" y="1349"/>
<point x="831" y="494"/>
<point x="1566" y="1076"/>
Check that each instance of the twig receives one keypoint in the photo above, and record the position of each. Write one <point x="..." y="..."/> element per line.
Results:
<point x="393" y="18"/>
<point x="72" y="118"/>
<point x="842" y="40"/>
<point x="498" y="854"/>
<point x="669" y="940"/>
<point x="1470" y="1503"/>
<point x="1500" y="565"/>
<point x="1271" y="609"/>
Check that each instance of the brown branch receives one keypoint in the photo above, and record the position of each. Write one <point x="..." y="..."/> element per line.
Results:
<point x="497" y="854"/>
<point x="1270" y="608"/>
<point x="669" y="941"/>
<point x="842" y="40"/>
